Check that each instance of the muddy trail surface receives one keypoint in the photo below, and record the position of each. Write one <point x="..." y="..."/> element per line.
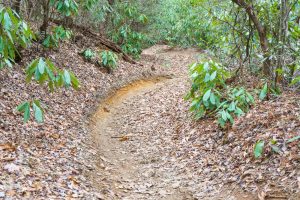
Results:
<point x="135" y="132"/>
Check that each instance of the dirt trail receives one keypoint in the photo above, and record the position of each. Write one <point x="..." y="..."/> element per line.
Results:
<point x="124" y="166"/>
<point x="135" y="135"/>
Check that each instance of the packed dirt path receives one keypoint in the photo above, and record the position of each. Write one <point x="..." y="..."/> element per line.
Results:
<point x="135" y="135"/>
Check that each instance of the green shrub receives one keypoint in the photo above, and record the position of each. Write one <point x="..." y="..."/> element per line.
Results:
<point x="236" y="102"/>
<point x="65" y="7"/>
<point x="38" y="111"/>
<point x="208" y="81"/>
<point x="59" y="33"/>
<point x="14" y="34"/>
<point x="211" y="96"/>
<point x="88" y="54"/>
<point x="109" y="60"/>
<point x="125" y="20"/>
<point x="44" y="72"/>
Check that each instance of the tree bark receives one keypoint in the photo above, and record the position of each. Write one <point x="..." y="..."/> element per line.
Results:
<point x="46" y="8"/>
<point x="261" y="33"/>
<point x="282" y="30"/>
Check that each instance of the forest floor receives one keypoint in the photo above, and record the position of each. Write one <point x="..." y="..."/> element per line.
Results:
<point x="141" y="142"/>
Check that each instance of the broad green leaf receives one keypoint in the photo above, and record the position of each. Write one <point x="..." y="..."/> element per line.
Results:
<point x="37" y="74"/>
<point x="7" y="23"/>
<point x="294" y="139"/>
<point x="239" y="112"/>
<point x="213" y="75"/>
<point x="59" y="80"/>
<point x="229" y="117"/>
<point x="8" y="63"/>
<point x="275" y="148"/>
<point x="41" y="66"/>
<point x="51" y="86"/>
<point x="200" y="113"/>
<point x="38" y="113"/>
<point x="206" y="66"/>
<point x="207" y="77"/>
<point x="212" y="98"/>
<point x="250" y="97"/>
<point x="67" y="78"/>
<point x="224" y="115"/>
<point x="46" y="42"/>
<point x="264" y="92"/>
<point x="231" y="107"/>
<point x="50" y="73"/>
<point x="295" y="80"/>
<point x="22" y="106"/>
<point x="259" y="148"/>
<point x="27" y="113"/>
<point x="194" y="75"/>
<point x="51" y="66"/>
<point x="221" y="122"/>
<point x="241" y="91"/>
<point x="74" y="80"/>
<point x="25" y="108"/>
<point x="206" y="95"/>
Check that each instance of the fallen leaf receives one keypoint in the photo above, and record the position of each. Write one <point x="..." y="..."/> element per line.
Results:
<point x="262" y="195"/>
<point x="11" y="193"/>
<point x="7" y="147"/>
<point x="12" y="168"/>
<point x="124" y="138"/>
<point x="55" y="136"/>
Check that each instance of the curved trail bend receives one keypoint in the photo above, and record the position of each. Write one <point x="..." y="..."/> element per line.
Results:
<point x="136" y="136"/>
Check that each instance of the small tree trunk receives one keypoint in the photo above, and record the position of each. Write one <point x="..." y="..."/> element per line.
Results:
<point x="265" y="49"/>
<point x="46" y="8"/>
<point x="282" y="30"/>
<point x="261" y="33"/>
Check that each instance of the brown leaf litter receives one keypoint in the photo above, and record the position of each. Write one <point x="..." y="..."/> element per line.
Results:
<point x="164" y="153"/>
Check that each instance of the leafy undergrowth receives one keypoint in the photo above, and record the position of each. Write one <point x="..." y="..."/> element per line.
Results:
<point x="262" y="146"/>
<point x="277" y="124"/>
<point x="229" y="154"/>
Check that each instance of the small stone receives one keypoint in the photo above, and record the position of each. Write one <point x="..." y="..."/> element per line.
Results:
<point x="99" y="196"/>
<point x="2" y="194"/>
<point x="175" y="185"/>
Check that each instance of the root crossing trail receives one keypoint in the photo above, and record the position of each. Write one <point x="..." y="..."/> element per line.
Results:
<point x="136" y="136"/>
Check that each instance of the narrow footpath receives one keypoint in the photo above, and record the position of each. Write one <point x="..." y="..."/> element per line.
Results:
<point x="136" y="136"/>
